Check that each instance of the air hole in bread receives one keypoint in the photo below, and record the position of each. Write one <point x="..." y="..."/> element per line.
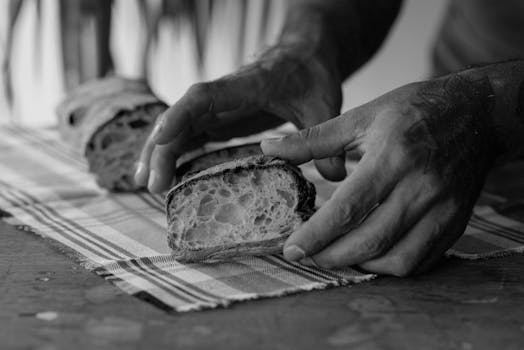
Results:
<point x="77" y="116"/>
<point x="246" y="199"/>
<point x="207" y="205"/>
<point x="230" y="213"/>
<point x="259" y="219"/>
<point x="139" y="123"/>
<point x="232" y="179"/>
<point x="288" y="197"/>
<point x="224" y="193"/>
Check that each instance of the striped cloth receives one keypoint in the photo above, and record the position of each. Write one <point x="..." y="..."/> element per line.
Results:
<point x="45" y="188"/>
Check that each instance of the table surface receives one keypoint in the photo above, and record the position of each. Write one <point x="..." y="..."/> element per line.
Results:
<point x="47" y="301"/>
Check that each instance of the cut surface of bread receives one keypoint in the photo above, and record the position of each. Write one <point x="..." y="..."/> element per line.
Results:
<point x="114" y="149"/>
<point x="243" y="207"/>
<point x="108" y="121"/>
<point x="213" y="158"/>
<point x="79" y="103"/>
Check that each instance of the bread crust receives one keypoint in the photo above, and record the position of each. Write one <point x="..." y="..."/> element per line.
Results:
<point x="194" y="165"/>
<point x="304" y="208"/>
<point x="97" y="102"/>
<point x="92" y="90"/>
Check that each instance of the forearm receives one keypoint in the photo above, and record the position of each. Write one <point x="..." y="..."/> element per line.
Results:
<point x="501" y="86"/>
<point x="343" y="34"/>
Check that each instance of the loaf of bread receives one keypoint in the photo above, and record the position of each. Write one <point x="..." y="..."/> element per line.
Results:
<point x="242" y="207"/>
<point x="108" y="121"/>
<point x="213" y="158"/>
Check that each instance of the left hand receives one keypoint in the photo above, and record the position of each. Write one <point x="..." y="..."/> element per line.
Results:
<point x="425" y="150"/>
<point x="286" y="83"/>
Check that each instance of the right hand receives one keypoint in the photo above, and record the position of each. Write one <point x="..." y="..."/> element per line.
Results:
<point x="425" y="150"/>
<point x="284" y="84"/>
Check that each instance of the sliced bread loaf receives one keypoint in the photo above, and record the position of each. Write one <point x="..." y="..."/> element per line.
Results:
<point x="243" y="207"/>
<point x="108" y="121"/>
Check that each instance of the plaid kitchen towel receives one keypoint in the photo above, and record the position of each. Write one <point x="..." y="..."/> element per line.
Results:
<point x="45" y="188"/>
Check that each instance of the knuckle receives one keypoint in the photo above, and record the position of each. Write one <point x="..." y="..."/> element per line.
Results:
<point x="309" y="134"/>
<point x="433" y="182"/>
<point x="200" y="90"/>
<point x="344" y="213"/>
<point x="437" y="230"/>
<point x="373" y="247"/>
<point x="430" y="186"/>
<point x="308" y="137"/>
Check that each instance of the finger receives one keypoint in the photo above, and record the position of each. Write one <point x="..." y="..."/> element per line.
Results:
<point x="455" y="229"/>
<point x="163" y="164"/>
<point x="163" y="161"/>
<point x="215" y="127"/>
<point x="333" y="168"/>
<point x="202" y="98"/>
<point x="406" y="256"/>
<point x="324" y="140"/>
<point x="405" y="205"/>
<point x="371" y="181"/>
<point x="142" y="167"/>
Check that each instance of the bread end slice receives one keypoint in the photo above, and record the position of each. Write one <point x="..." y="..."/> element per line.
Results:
<point x="210" y="159"/>
<point x="243" y="207"/>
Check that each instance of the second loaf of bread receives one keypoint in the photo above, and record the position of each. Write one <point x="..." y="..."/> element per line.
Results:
<point x="108" y="120"/>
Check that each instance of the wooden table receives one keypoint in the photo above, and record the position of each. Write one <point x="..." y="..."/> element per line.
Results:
<point x="47" y="301"/>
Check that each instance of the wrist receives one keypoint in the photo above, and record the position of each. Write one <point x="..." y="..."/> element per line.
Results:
<point x="506" y="80"/>
<point x="306" y="36"/>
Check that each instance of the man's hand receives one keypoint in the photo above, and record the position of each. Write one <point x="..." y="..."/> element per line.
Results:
<point x="285" y="84"/>
<point x="425" y="150"/>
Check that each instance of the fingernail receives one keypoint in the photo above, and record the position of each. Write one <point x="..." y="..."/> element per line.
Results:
<point x="294" y="253"/>
<point x="268" y="143"/>
<point x="308" y="262"/>
<point x="140" y="173"/>
<point x="151" y="185"/>
<point x="272" y="140"/>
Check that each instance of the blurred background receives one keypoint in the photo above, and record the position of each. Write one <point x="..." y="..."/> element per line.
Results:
<point x="49" y="46"/>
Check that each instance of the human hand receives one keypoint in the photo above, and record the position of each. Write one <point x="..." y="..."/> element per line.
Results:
<point x="285" y="84"/>
<point x="425" y="150"/>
